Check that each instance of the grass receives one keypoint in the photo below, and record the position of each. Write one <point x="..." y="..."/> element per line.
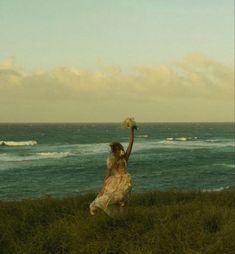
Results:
<point x="161" y="222"/>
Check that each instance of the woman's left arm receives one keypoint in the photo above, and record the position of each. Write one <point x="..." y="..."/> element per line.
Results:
<point x="129" y="148"/>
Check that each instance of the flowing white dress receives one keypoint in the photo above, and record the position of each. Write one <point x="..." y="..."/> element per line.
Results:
<point x="117" y="189"/>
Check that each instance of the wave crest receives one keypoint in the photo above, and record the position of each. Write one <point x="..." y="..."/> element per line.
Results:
<point x="142" y="136"/>
<point x="182" y="138"/>
<point x="18" y="143"/>
<point x="37" y="156"/>
<point x="216" y="189"/>
<point x="167" y="142"/>
<point x="54" y="154"/>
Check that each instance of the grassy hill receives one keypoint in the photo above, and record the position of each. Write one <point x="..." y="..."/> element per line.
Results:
<point x="161" y="222"/>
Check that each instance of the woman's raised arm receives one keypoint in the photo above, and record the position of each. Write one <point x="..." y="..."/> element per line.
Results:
<point x="129" y="148"/>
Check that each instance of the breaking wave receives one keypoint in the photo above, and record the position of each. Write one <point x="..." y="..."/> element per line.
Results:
<point x="226" y="165"/>
<point x="182" y="138"/>
<point x="195" y="142"/>
<point x="216" y="189"/>
<point x="18" y="143"/>
<point x="171" y="140"/>
<point x="142" y="136"/>
<point x="167" y="142"/>
<point x="54" y="154"/>
<point x="37" y="156"/>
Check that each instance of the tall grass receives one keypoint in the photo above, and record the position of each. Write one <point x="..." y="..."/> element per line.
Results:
<point x="161" y="222"/>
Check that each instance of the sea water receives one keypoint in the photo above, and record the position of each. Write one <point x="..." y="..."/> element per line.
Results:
<point x="70" y="159"/>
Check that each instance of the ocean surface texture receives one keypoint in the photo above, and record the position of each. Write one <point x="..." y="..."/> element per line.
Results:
<point x="70" y="159"/>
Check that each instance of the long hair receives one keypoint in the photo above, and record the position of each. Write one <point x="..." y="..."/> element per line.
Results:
<point x="116" y="146"/>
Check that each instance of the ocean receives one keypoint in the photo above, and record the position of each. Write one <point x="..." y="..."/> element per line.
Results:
<point x="69" y="159"/>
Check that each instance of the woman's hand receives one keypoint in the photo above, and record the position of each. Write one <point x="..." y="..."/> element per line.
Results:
<point x="129" y="122"/>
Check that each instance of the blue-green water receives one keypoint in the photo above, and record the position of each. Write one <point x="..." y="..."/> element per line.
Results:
<point x="70" y="159"/>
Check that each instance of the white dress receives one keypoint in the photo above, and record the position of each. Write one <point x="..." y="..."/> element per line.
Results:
<point x="117" y="189"/>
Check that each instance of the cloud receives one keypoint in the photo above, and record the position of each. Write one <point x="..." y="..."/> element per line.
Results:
<point x="195" y="77"/>
<point x="8" y="63"/>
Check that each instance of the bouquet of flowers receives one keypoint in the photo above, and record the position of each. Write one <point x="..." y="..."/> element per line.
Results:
<point x="129" y="122"/>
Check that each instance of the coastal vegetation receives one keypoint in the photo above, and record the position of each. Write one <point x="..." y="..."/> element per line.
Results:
<point x="162" y="222"/>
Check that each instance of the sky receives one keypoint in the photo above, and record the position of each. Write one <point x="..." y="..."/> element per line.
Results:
<point x="104" y="60"/>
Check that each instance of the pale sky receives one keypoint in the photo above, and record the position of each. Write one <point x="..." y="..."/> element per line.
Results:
<point x="104" y="60"/>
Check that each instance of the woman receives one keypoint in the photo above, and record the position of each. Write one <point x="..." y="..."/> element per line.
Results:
<point x="117" y="188"/>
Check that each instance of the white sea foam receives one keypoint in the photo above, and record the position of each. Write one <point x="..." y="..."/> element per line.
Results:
<point x="142" y="136"/>
<point x="182" y="139"/>
<point x="18" y="143"/>
<point x="37" y="156"/>
<point x="167" y="142"/>
<point x="216" y="189"/>
<point x="194" y="142"/>
<point x="171" y="140"/>
<point x="226" y="165"/>
<point x="54" y="154"/>
<point x="211" y="140"/>
<point x="97" y="148"/>
<point x="175" y="144"/>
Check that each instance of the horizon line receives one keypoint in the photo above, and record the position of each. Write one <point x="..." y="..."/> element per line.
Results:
<point x="112" y="122"/>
